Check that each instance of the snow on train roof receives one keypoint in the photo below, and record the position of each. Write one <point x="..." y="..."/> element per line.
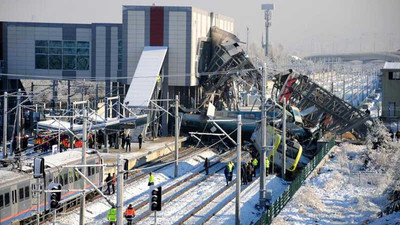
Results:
<point x="64" y="158"/>
<point x="7" y="176"/>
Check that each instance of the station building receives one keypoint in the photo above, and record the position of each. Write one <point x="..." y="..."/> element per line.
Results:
<point x="110" y="52"/>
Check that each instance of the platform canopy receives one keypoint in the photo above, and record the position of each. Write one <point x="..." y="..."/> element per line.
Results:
<point x="145" y="78"/>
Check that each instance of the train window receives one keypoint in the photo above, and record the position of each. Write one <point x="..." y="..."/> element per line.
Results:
<point x="71" y="176"/>
<point x="15" y="196"/>
<point x="27" y="192"/>
<point x="89" y="171"/>
<point x="65" y="178"/>
<point x="93" y="170"/>
<point x="60" y="178"/>
<point x="97" y="169"/>
<point x="76" y="176"/>
<point x="1" y="201"/>
<point x="21" y="193"/>
<point x="12" y="196"/>
<point x="6" y="199"/>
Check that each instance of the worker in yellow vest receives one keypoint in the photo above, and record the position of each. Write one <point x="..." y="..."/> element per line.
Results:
<point x="254" y="163"/>
<point x="267" y="166"/>
<point x="151" y="179"/>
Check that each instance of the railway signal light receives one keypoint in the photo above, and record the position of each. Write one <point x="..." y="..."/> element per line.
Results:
<point x="55" y="197"/>
<point x="126" y="168"/>
<point x="155" y="199"/>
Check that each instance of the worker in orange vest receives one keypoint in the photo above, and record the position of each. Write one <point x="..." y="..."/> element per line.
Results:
<point x="129" y="214"/>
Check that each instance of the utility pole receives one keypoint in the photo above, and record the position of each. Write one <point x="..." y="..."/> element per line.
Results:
<point x="105" y="131"/>
<point x="70" y="113"/>
<point x="5" y="108"/>
<point x="120" y="191"/>
<point x="83" y="203"/>
<point x="176" y="134"/>
<point x="19" y="120"/>
<point x="264" y="141"/>
<point x="238" y="167"/>
<point x="284" y="140"/>
<point x="96" y="102"/>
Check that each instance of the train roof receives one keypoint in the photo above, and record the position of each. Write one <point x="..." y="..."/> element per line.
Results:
<point x="65" y="158"/>
<point x="10" y="177"/>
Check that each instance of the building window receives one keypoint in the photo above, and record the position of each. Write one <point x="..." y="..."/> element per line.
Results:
<point x="66" y="55"/>
<point x="394" y="75"/>
<point x="119" y="54"/>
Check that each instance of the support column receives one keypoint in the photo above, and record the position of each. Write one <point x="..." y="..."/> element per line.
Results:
<point x="19" y="120"/>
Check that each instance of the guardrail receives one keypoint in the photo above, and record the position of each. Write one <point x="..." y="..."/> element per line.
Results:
<point x="279" y="203"/>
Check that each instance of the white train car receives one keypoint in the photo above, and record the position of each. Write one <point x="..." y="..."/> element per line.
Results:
<point x="18" y="201"/>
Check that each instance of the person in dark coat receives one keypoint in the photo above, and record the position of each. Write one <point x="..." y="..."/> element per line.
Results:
<point x="128" y="143"/>
<point x="249" y="171"/>
<point x="108" y="182"/>
<point x="140" y="140"/>
<point x="243" y="174"/>
<point x="226" y="172"/>
<point x="207" y="165"/>
<point x="123" y="139"/>
<point x="398" y="135"/>
<point x="392" y="135"/>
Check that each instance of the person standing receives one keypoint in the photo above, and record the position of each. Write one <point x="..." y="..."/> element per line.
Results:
<point x="398" y="135"/>
<point x="267" y="166"/>
<point x="113" y="182"/>
<point x="140" y="140"/>
<point x="243" y="174"/>
<point x="129" y="214"/>
<point x="249" y="168"/>
<point x="230" y="166"/>
<point x="207" y="165"/>
<point x="254" y="162"/>
<point x="123" y="139"/>
<point x="112" y="216"/>
<point x="128" y="143"/>
<point x="108" y="182"/>
<point x="151" y="179"/>
<point x="226" y="172"/>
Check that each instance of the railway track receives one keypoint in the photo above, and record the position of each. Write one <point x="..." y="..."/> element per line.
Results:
<point x="92" y="195"/>
<point x="196" y="182"/>
<point x="218" y="201"/>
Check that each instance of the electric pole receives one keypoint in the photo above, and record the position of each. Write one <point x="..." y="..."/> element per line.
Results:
<point x="284" y="140"/>
<point x="238" y="167"/>
<point x="176" y="134"/>
<point x="120" y="191"/>
<point x="84" y="142"/>
<point x="19" y="120"/>
<point x="264" y="141"/>
<point x="5" y="108"/>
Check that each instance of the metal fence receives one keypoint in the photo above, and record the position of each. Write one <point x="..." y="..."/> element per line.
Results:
<point x="279" y="203"/>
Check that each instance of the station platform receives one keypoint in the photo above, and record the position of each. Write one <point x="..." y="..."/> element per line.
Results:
<point x="150" y="151"/>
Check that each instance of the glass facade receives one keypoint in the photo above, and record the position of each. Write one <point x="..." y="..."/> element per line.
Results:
<point x="66" y="55"/>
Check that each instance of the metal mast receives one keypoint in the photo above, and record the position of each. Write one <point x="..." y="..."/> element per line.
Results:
<point x="267" y="16"/>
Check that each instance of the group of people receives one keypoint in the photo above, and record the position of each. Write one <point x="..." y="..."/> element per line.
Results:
<point x="130" y="212"/>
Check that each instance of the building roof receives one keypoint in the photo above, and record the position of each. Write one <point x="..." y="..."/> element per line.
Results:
<point x="391" y="66"/>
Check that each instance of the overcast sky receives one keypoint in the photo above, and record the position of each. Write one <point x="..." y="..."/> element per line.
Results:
<point x="301" y="26"/>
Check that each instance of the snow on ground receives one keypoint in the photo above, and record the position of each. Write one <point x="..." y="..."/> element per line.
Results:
<point x="249" y="198"/>
<point x="340" y="194"/>
<point x="137" y="191"/>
